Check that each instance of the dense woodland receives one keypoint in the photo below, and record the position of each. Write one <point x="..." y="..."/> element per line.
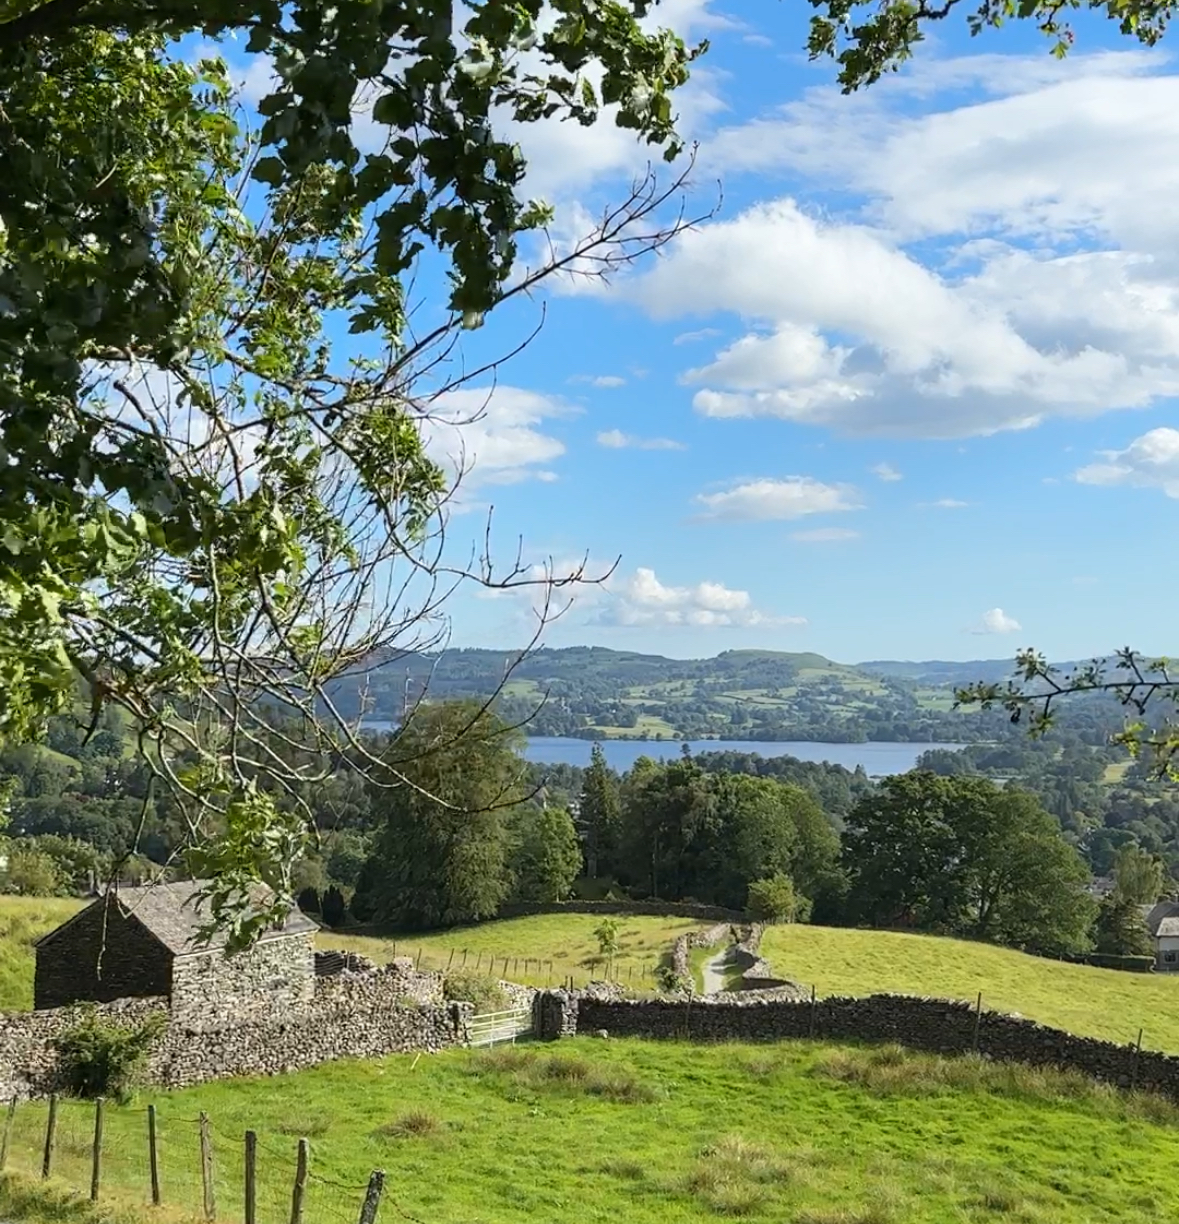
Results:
<point x="993" y="841"/>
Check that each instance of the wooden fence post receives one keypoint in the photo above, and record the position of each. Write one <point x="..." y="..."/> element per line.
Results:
<point x="372" y="1197"/>
<point x="810" y="1028"/>
<point x="977" y="1023"/>
<point x="153" y="1155"/>
<point x="251" y="1177"/>
<point x="1134" y="1068"/>
<point x="9" y="1118"/>
<point x="207" y="1168"/>
<point x="300" y="1189"/>
<point x="50" y="1137"/>
<point x="464" y="958"/>
<point x="506" y="959"/>
<point x="450" y="959"/>
<point x="96" y="1153"/>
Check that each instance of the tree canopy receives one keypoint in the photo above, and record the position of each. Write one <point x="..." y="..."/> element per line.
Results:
<point x="211" y="508"/>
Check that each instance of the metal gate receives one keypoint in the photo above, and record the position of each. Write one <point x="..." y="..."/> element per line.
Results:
<point x="493" y="1027"/>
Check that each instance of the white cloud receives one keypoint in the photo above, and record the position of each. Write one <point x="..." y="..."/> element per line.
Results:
<point x="946" y="503"/>
<point x="691" y="337"/>
<point x="491" y="435"/>
<point x="996" y="621"/>
<point x="1150" y="461"/>
<point x="1046" y="285"/>
<point x="789" y="498"/>
<point x="886" y="472"/>
<point x="600" y="380"/>
<point x="615" y="439"/>
<point x="640" y="599"/>
<point x="825" y="535"/>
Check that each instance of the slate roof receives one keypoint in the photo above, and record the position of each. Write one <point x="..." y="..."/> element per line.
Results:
<point x="1168" y="927"/>
<point x="1156" y="915"/>
<point x="174" y="914"/>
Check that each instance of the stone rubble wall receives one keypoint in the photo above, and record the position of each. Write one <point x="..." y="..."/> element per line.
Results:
<point x="349" y="1015"/>
<point x="681" y="950"/>
<point x="937" y="1026"/>
<point x="757" y="973"/>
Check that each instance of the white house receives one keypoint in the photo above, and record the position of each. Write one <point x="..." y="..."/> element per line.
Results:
<point x="1162" y="921"/>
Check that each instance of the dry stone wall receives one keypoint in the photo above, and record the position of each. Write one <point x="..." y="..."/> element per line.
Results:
<point x="937" y="1026"/>
<point x="681" y="950"/>
<point x="348" y="1015"/>
<point x="652" y="909"/>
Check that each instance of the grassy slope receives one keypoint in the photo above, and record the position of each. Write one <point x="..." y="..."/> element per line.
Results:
<point x="656" y="1134"/>
<point x="567" y="940"/>
<point x="23" y="920"/>
<point x="1093" y="1002"/>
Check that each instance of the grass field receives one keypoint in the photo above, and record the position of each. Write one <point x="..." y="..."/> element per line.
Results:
<point x="1092" y="1002"/>
<point x="565" y="940"/>
<point x="23" y="920"/>
<point x="651" y="1134"/>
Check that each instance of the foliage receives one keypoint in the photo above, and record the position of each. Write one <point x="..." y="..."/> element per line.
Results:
<point x="99" y="1058"/>
<point x="483" y="990"/>
<point x="1120" y="928"/>
<point x="547" y="858"/>
<point x="773" y="899"/>
<point x="671" y="982"/>
<point x="963" y="856"/>
<point x="869" y="39"/>
<point x="309" y="901"/>
<point x="210" y="512"/>
<point x="442" y="857"/>
<point x="32" y="873"/>
<point x="606" y="933"/>
<point x="599" y="815"/>
<point x="333" y="907"/>
<point x="1138" y="876"/>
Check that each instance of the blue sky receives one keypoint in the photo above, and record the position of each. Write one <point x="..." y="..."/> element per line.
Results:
<point x="909" y="394"/>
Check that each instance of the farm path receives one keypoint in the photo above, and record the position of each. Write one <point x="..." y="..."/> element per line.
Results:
<point x="714" y="970"/>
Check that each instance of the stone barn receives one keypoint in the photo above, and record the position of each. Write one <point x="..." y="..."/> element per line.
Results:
<point x="142" y="943"/>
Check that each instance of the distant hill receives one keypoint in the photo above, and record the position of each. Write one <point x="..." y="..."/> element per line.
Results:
<point x="939" y="671"/>
<point x="595" y="692"/>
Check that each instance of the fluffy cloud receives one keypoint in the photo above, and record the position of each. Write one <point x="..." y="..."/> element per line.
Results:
<point x="886" y="472"/>
<point x="641" y="599"/>
<point x="824" y="535"/>
<point x="615" y="439"/>
<point x="789" y="498"/>
<point x="997" y="621"/>
<point x="490" y="435"/>
<point x="946" y="503"/>
<point x="1151" y="461"/>
<point x="1046" y="283"/>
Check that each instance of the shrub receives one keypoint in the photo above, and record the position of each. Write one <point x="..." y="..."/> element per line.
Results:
<point x="485" y="992"/>
<point x="414" y="1125"/>
<point x="671" y="982"/>
<point x="773" y="899"/>
<point x="333" y="907"/>
<point x="308" y="900"/>
<point x="102" y="1059"/>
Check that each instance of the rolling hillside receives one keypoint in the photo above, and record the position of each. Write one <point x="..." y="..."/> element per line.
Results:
<point x="594" y="692"/>
<point x="1091" y="1002"/>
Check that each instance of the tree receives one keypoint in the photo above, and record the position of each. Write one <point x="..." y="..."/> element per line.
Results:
<point x="1138" y="875"/>
<point x="442" y="856"/>
<point x="1121" y="928"/>
<point x="333" y="908"/>
<point x="209" y="514"/>
<point x="609" y="945"/>
<point x="868" y="39"/>
<point x="599" y="814"/>
<point x="963" y="856"/>
<point x="773" y="899"/>
<point x="32" y="873"/>
<point x="547" y="858"/>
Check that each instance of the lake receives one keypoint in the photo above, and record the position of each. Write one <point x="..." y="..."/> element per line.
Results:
<point x="876" y="758"/>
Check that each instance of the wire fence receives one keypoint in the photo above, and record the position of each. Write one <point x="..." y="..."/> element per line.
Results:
<point x="187" y="1165"/>
<point x="531" y="970"/>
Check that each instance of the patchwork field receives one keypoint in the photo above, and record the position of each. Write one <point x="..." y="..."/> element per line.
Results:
<point x="1092" y="1002"/>
<point x="647" y="1133"/>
